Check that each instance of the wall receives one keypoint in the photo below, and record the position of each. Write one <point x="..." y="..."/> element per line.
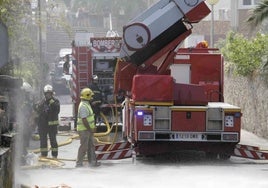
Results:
<point x="251" y="96"/>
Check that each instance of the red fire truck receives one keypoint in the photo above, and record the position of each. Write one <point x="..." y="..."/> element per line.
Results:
<point x="98" y="58"/>
<point x="174" y="95"/>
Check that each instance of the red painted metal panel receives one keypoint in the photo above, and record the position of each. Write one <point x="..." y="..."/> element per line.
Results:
<point x="124" y="74"/>
<point x="205" y="67"/>
<point x="189" y="94"/>
<point x="212" y="91"/>
<point x="196" y="121"/>
<point x="198" y="13"/>
<point x="206" y="70"/>
<point x="152" y="88"/>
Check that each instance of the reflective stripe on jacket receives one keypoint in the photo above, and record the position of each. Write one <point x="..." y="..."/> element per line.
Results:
<point x="53" y="122"/>
<point x="90" y="118"/>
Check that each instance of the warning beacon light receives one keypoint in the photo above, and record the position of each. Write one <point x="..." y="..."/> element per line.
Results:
<point x="139" y="113"/>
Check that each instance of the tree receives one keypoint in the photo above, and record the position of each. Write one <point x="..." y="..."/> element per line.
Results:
<point x="257" y="17"/>
<point x="246" y="57"/>
<point x="259" y="14"/>
<point x="16" y="14"/>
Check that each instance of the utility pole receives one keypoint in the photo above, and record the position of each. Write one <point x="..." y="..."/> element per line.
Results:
<point x="212" y="3"/>
<point x="40" y="49"/>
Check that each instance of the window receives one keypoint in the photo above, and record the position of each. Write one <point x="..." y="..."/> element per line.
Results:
<point x="103" y="65"/>
<point x="246" y="2"/>
<point x="251" y="2"/>
<point x="224" y="14"/>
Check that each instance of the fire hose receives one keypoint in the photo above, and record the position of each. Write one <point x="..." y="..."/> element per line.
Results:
<point x="58" y="162"/>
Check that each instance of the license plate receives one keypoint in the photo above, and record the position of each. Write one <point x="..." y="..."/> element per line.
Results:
<point x="188" y="136"/>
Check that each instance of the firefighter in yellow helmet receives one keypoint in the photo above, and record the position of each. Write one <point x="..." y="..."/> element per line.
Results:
<point x="202" y="44"/>
<point x="48" y="110"/>
<point x="86" y="128"/>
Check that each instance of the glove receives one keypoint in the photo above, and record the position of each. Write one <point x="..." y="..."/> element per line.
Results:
<point x="51" y="101"/>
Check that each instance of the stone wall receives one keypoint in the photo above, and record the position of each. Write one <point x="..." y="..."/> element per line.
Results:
<point x="6" y="167"/>
<point x="252" y="96"/>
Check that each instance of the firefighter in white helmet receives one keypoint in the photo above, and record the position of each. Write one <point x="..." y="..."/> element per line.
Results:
<point x="86" y="128"/>
<point x="48" y="110"/>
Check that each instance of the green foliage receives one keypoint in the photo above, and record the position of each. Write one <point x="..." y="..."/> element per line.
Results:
<point x="258" y="14"/>
<point x="7" y="69"/>
<point x="16" y="14"/>
<point x="246" y="57"/>
<point x="28" y="71"/>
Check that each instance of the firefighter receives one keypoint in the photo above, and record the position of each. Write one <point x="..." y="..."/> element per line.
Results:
<point x="86" y="128"/>
<point x="66" y="65"/>
<point x="202" y="44"/>
<point x="97" y="98"/>
<point x="48" y="110"/>
<point x="121" y="96"/>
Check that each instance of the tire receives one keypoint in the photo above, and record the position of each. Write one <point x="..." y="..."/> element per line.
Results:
<point x="224" y="156"/>
<point x="211" y="155"/>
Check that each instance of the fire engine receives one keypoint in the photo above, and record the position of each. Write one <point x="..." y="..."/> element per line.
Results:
<point x="98" y="58"/>
<point x="174" y="96"/>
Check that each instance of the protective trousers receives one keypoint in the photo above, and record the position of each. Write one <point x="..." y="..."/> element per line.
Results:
<point x="86" y="147"/>
<point x="50" y="131"/>
<point x="91" y="150"/>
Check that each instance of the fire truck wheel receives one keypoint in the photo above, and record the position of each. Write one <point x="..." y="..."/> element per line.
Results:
<point x="211" y="155"/>
<point x="224" y="156"/>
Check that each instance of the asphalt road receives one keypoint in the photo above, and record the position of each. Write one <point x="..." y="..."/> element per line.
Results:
<point x="183" y="169"/>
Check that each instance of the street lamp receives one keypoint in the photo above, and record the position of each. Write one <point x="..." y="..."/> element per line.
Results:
<point x="212" y="3"/>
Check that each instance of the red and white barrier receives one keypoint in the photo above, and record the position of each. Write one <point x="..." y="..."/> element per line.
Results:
<point x="113" y="147"/>
<point x="251" y="152"/>
<point x="119" y="150"/>
<point x="114" y="155"/>
<point x="254" y="148"/>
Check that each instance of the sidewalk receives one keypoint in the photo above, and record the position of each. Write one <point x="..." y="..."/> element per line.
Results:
<point x="248" y="138"/>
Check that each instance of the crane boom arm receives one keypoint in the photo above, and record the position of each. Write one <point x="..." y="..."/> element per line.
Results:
<point x="152" y="37"/>
<point x="159" y="26"/>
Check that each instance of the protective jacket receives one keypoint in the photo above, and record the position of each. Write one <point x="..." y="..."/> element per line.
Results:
<point x="97" y="97"/>
<point x="90" y="118"/>
<point x="48" y="111"/>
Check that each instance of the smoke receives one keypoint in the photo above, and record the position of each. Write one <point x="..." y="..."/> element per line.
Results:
<point x="23" y="128"/>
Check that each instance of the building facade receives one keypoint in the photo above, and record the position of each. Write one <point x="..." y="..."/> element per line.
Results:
<point x="229" y="15"/>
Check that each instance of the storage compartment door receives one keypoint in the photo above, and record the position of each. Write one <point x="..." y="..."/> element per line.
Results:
<point x="181" y="73"/>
